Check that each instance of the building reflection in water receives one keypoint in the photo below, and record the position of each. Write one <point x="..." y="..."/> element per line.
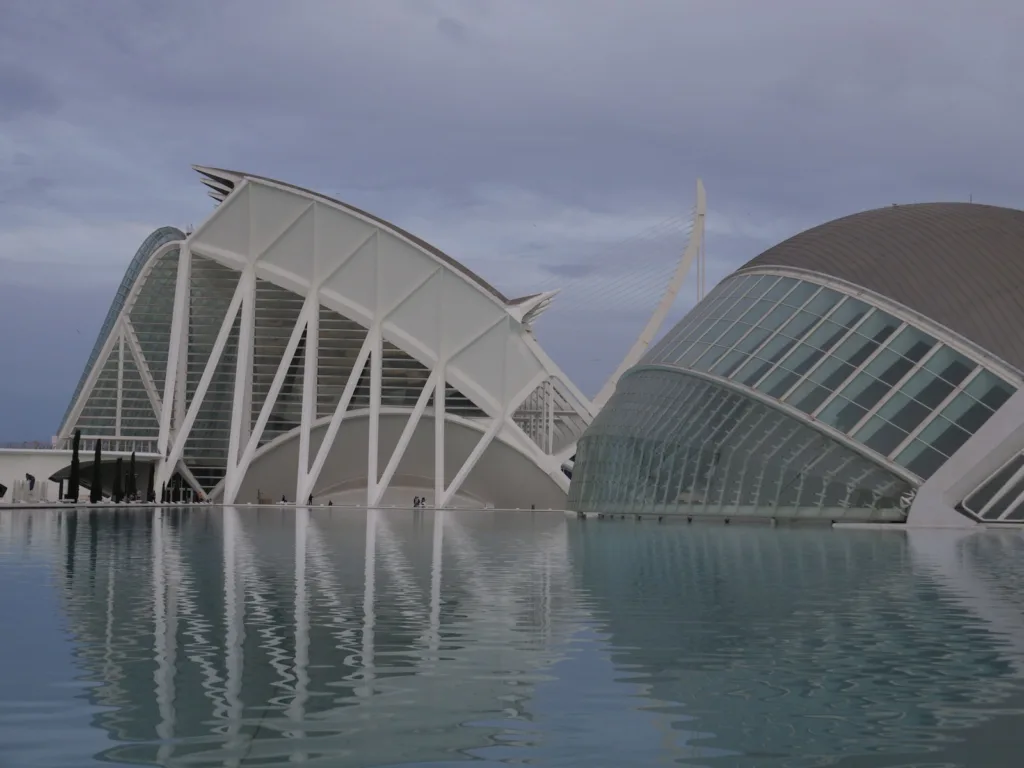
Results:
<point x="802" y="645"/>
<point x="267" y="635"/>
<point x="270" y="636"/>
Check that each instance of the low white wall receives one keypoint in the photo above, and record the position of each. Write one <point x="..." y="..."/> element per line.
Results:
<point x="16" y="462"/>
<point x="43" y="463"/>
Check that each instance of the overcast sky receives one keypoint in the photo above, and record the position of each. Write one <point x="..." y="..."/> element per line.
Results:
<point x="507" y="132"/>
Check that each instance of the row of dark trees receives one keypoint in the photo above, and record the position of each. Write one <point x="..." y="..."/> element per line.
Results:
<point x="124" y="487"/>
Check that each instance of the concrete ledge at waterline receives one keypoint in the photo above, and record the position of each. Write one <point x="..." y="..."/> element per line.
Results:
<point x="206" y="505"/>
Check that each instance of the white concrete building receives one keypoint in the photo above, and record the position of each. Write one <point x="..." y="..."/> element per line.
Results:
<point x="296" y="346"/>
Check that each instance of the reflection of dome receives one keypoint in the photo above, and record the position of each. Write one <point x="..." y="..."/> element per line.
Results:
<point x="798" y="644"/>
<point x="827" y="377"/>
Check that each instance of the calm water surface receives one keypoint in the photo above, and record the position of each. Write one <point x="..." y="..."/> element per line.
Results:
<point x="224" y="637"/>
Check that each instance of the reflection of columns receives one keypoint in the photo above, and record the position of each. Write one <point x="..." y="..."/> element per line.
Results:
<point x="369" y="594"/>
<point x="235" y="632"/>
<point x="163" y="641"/>
<point x="435" y="584"/>
<point x="297" y="708"/>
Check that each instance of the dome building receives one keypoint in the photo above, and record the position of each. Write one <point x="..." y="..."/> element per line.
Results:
<point x="850" y="373"/>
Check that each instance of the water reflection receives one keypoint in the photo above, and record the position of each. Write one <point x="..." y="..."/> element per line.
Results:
<point x="268" y="636"/>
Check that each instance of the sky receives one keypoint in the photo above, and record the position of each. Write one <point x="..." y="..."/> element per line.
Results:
<point x="523" y="137"/>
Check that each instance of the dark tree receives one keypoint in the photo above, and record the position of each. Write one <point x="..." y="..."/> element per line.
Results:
<point x="116" y="493"/>
<point x="96" y="485"/>
<point x="75" y="477"/>
<point x="151" y="485"/>
<point x="133" y="484"/>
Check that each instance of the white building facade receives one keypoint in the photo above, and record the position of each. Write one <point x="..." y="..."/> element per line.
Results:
<point x="294" y="346"/>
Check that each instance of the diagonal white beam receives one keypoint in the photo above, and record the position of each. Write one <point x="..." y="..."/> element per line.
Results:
<point x="231" y="491"/>
<point x="204" y="382"/>
<point x="406" y="436"/>
<point x="241" y="406"/>
<point x="343" y="261"/>
<point x="408" y="295"/>
<point x="177" y="350"/>
<point x="472" y="459"/>
<point x="337" y="417"/>
<point x="485" y="441"/>
<point x="120" y="381"/>
<point x="140" y="363"/>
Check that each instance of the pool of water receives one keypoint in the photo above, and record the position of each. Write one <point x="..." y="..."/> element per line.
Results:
<point x="232" y="637"/>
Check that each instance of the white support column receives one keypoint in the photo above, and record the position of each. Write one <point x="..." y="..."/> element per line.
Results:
<point x="373" y="444"/>
<point x="120" y="381"/>
<point x="166" y="466"/>
<point x="337" y="417"/>
<point x="406" y="436"/>
<point x="241" y="406"/>
<point x="439" y="419"/>
<point x="549" y="417"/>
<point x="231" y="491"/>
<point x="309" y="392"/>
<point x="177" y="351"/>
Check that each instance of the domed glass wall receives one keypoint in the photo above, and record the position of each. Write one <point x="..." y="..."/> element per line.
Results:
<point x="852" y="367"/>
<point x="671" y="443"/>
<point x="891" y="394"/>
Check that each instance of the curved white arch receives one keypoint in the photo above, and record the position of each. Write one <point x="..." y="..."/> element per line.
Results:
<point x="273" y="472"/>
<point x="116" y="336"/>
<point x="462" y="331"/>
<point x="643" y="341"/>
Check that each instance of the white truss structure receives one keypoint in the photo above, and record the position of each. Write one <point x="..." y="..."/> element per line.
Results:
<point x="289" y="328"/>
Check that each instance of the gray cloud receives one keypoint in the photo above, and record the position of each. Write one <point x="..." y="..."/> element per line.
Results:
<point x="511" y="134"/>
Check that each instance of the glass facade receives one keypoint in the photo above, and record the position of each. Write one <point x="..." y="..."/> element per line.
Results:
<point x="672" y="443"/>
<point x="892" y="388"/>
<point x="1000" y="499"/>
<point x="857" y="369"/>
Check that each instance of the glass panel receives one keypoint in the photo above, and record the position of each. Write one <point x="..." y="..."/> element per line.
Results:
<point x="880" y="435"/>
<point x="950" y="365"/>
<point x="800" y="294"/>
<point x="764" y="284"/>
<point x="943" y="436"/>
<point x="799" y="324"/>
<point x="821" y="304"/>
<point x="780" y="289"/>
<point x="912" y="344"/>
<point x="966" y="412"/>
<point x="926" y="388"/>
<point x="744" y="347"/>
<point x="758" y="366"/>
<point x="849" y="313"/>
<point x="920" y="459"/>
<point x="730" y="337"/>
<point x="781" y="379"/>
<point x="842" y="414"/>
<point x="990" y="390"/>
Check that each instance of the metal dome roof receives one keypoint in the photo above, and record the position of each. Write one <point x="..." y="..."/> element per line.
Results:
<point x="960" y="264"/>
